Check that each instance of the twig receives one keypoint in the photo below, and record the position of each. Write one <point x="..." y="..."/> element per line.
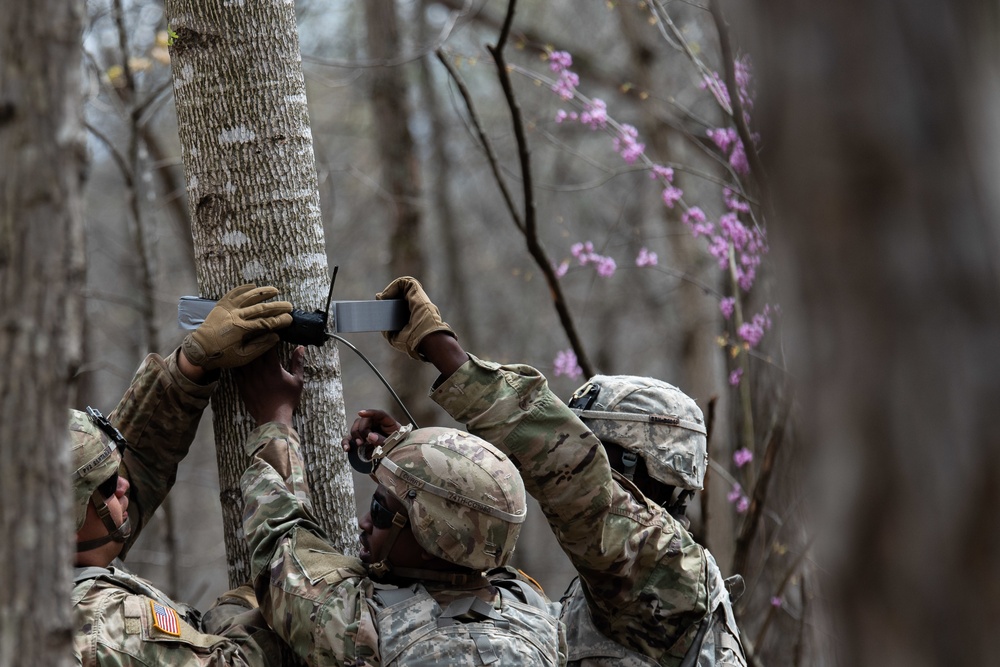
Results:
<point x="760" y="489"/>
<point x="487" y="145"/>
<point x="738" y="114"/>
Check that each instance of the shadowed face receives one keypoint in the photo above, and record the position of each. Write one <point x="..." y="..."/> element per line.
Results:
<point x="94" y="528"/>
<point x="376" y="528"/>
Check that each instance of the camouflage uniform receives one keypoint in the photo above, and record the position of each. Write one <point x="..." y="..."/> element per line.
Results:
<point x="325" y="605"/>
<point x="121" y="619"/>
<point x="647" y="584"/>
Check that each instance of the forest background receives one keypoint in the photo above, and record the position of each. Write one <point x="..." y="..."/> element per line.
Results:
<point x="876" y="313"/>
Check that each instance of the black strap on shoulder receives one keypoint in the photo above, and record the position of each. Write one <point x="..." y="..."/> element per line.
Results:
<point x="470" y="609"/>
<point x="388" y="597"/>
<point x="85" y="573"/>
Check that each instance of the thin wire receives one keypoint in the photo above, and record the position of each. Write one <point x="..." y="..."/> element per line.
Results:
<point x="380" y="377"/>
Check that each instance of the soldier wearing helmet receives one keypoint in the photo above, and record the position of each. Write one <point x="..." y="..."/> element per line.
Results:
<point x="604" y="470"/>
<point x="446" y="512"/>
<point x="123" y="467"/>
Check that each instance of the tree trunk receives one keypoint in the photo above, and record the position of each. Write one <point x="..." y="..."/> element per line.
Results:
<point x="41" y="264"/>
<point x="882" y="133"/>
<point x="254" y="204"/>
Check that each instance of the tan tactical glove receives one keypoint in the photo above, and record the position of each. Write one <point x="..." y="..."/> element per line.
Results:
<point x="238" y="329"/>
<point x="425" y="318"/>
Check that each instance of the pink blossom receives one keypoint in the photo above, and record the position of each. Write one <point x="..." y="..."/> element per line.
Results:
<point x="626" y="143"/>
<point x="646" y="258"/>
<point x="735" y="493"/>
<point x="753" y="331"/>
<point x="738" y="159"/>
<point x="595" y="114"/>
<point x="693" y="215"/>
<point x="581" y="250"/>
<point x="560" y="60"/>
<point x="735" y="376"/>
<point x="566" y="364"/>
<point x="742" y="456"/>
<point x="727" y="305"/>
<point x="723" y="137"/>
<point x="734" y="202"/>
<point x="663" y="173"/>
<point x="672" y="195"/>
<point x="565" y="85"/>
<point x="776" y="601"/>
<point x="737" y="496"/>
<point x="562" y="268"/>
<point x="606" y="267"/>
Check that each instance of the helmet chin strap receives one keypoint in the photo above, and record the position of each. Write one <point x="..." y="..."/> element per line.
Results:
<point x="115" y="533"/>
<point x="384" y="567"/>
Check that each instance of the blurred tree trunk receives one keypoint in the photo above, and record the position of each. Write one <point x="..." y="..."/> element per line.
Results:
<point x="41" y="264"/>
<point x="882" y="140"/>
<point x="400" y="167"/>
<point x="452" y="256"/>
<point x="254" y="204"/>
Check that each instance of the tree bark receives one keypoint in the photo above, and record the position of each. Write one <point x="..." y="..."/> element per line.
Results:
<point x="254" y="204"/>
<point x="880" y="119"/>
<point x="41" y="264"/>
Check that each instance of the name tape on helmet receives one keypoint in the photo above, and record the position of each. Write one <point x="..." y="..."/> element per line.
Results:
<point x="85" y="469"/>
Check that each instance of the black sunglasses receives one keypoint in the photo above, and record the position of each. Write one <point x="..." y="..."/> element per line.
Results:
<point x="382" y="516"/>
<point x="109" y="486"/>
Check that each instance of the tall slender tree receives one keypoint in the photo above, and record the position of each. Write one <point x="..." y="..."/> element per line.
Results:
<point x="254" y="204"/>
<point x="41" y="263"/>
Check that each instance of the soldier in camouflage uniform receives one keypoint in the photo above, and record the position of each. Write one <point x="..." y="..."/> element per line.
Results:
<point x="447" y="510"/>
<point x="124" y="465"/>
<point x="647" y="594"/>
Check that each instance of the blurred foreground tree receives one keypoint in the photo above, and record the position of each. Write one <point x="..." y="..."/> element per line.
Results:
<point x="41" y="264"/>
<point x="254" y="205"/>
<point x="883" y="148"/>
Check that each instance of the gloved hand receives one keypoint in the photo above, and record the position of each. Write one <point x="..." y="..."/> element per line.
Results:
<point x="238" y="329"/>
<point x="425" y="318"/>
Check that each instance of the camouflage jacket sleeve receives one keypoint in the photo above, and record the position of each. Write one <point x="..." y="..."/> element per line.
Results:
<point x="116" y="627"/>
<point x="643" y="574"/>
<point x="159" y="416"/>
<point x="314" y="597"/>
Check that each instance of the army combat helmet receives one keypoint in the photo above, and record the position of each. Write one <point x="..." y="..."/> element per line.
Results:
<point x="97" y="449"/>
<point x="464" y="498"/>
<point x="647" y="418"/>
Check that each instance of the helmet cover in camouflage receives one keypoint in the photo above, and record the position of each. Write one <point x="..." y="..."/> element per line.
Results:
<point x="464" y="498"/>
<point x="95" y="460"/>
<point x="650" y="418"/>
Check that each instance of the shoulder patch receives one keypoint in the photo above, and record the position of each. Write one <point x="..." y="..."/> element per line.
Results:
<point x="165" y="619"/>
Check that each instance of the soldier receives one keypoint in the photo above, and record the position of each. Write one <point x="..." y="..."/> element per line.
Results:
<point x="125" y="465"/>
<point x="446" y="512"/>
<point x="647" y="593"/>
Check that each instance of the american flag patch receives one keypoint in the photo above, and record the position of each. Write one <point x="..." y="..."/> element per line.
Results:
<point x="165" y="619"/>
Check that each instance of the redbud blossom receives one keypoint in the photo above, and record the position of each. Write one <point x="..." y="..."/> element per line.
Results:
<point x="566" y="364"/>
<point x="646" y="258"/>
<point x="742" y="456"/>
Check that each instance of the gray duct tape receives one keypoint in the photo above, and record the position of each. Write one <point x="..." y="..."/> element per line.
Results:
<point x="345" y="316"/>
